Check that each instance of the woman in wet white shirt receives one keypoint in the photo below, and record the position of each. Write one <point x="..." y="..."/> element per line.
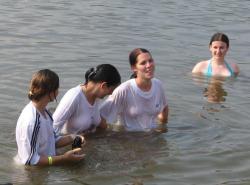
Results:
<point x="140" y="103"/>
<point x="35" y="137"/>
<point x="78" y="110"/>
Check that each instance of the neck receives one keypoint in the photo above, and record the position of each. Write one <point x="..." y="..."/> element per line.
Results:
<point x="220" y="61"/>
<point x="40" y="105"/>
<point x="144" y="85"/>
<point x="89" y="92"/>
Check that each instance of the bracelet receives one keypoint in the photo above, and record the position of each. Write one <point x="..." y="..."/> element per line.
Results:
<point x="50" y="160"/>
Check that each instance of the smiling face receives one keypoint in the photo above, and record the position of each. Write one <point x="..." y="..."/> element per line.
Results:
<point x="218" y="50"/>
<point x="144" y="67"/>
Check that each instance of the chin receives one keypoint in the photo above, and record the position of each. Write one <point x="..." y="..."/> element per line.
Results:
<point x="151" y="76"/>
<point x="219" y="57"/>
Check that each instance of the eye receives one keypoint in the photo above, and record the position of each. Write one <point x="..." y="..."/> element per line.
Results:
<point x="143" y="62"/>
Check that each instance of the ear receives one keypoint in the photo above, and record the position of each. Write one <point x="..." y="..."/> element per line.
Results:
<point x="51" y="96"/>
<point x="103" y="85"/>
<point x="210" y="47"/>
<point x="133" y="68"/>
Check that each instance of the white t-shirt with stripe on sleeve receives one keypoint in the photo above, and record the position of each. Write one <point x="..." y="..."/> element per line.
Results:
<point x="35" y="136"/>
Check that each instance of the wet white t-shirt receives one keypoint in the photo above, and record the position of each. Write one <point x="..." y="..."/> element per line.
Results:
<point x="35" y="136"/>
<point x="75" y="114"/>
<point x="136" y="110"/>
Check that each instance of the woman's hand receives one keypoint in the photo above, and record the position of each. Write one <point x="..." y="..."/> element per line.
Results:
<point x="163" y="116"/>
<point x="74" y="155"/>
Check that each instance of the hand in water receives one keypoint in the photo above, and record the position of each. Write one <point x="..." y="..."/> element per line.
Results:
<point x="74" y="155"/>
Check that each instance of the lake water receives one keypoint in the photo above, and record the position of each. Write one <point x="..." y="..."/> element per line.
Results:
<point x="206" y="143"/>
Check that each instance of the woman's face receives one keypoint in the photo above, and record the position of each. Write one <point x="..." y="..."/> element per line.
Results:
<point x="218" y="49"/>
<point x="144" y="67"/>
<point x="104" y="90"/>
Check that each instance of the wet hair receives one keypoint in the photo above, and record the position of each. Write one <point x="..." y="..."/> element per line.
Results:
<point x="43" y="83"/>
<point x="133" y="57"/>
<point x="220" y="37"/>
<point x="103" y="73"/>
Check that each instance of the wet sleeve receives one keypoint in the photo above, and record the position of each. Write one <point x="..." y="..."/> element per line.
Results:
<point x="163" y="97"/>
<point x="63" y="112"/>
<point x="113" y="105"/>
<point x="28" y="146"/>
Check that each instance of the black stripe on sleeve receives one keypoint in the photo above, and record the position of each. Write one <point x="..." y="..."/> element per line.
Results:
<point x="34" y="139"/>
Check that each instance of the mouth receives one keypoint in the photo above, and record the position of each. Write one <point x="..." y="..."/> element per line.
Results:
<point x="151" y="72"/>
<point x="218" y="55"/>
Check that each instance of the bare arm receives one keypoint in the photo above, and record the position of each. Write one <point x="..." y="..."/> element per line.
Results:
<point x="64" y="141"/>
<point x="70" y="156"/>
<point x="200" y="67"/>
<point x="68" y="139"/>
<point x="236" y="70"/>
<point x="163" y="116"/>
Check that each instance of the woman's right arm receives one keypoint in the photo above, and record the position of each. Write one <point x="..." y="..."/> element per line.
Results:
<point x="199" y="67"/>
<point x="64" y="111"/>
<point x="163" y="116"/>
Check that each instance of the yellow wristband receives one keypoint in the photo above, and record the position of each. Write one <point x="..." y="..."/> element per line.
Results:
<point x="50" y="160"/>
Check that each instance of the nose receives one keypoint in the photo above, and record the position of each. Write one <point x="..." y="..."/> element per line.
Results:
<point x="219" y="50"/>
<point x="149" y="63"/>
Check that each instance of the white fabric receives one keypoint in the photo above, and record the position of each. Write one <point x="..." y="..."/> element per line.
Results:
<point x="74" y="114"/>
<point x="34" y="136"/>
<point x="137" y="109"/>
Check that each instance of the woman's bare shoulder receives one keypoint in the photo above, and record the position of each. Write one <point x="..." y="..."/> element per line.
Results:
<point x="236" y="68"/>
<point x="200" y="66"/>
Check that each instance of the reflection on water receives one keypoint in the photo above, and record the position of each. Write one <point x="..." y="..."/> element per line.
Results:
<point x="118" y="127"/>
<point x="215" y="92"/>
<point x="29" y="175"/>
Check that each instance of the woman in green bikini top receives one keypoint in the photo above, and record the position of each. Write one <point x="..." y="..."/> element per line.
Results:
<point x="217" y="66"/>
